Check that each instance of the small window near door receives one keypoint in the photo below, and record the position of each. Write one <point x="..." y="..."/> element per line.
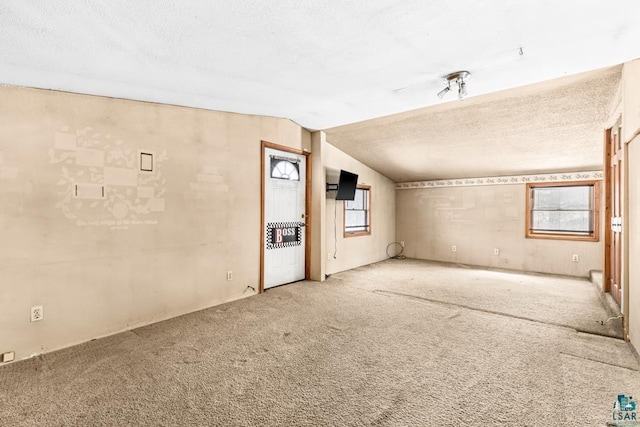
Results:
<point x="567" y="211"/>
<point x="357" y="217"/>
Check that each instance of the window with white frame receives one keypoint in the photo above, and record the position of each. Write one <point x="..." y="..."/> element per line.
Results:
<point x="357" y="213"/>
<point x="284" y="169"/>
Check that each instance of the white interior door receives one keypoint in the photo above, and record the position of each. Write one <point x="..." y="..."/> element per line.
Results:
<point x="284" y="217"/>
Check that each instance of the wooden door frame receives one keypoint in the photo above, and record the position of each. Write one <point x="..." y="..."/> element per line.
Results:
<point x="615" y="125"/>
<point x="307" y="207"/>
<point x="606" y="273"/>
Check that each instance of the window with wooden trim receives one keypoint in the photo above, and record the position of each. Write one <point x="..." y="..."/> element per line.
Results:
<point x="357" y="213"/>
<point x="568" y="210"/>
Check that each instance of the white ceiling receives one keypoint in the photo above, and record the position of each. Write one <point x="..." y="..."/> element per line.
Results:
<point x="321" y="63"/>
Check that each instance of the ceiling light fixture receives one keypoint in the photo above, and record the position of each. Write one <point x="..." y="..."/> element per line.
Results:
<point x="458" y="77"/>
<point x="444" y="91"/>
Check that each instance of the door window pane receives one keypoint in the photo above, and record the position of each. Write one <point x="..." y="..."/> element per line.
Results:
<point x="284" y="169"/>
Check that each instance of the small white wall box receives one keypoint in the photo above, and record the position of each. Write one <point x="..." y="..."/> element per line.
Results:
<point x="37" y="313"/>
<point x="7" y="357"/>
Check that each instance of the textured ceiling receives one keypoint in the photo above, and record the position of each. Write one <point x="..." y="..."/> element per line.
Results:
<point x="555" y="126"/>
<point x="321" y="63"/>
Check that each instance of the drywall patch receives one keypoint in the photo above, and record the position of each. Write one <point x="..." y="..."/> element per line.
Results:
<point x="101" y="180"/>
<point x="146" y="192"/>
<point x="65" y="140"/>
<point x="206" y="190"/>
<point x="210" y="178"/>
<point x="120" y="176"/>
<point x="9" y="172"/>
<point x="511" y="212"/>
<point x="88" y="157"/>
<point x="15" y="186"/>
<point x="156" y="204"/>
<point x="120" y="210"/>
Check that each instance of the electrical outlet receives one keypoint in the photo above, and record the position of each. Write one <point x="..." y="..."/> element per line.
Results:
<point x="329" y="255"/>
<point x="37" y="313"/>
<point x="402" y="243"/>
<point x="575" y="258"/>
<point x="496" y="251"/>
<point x="229" y="275"/>
<point x="453" y="248"/>
<point x="9" y="356"/>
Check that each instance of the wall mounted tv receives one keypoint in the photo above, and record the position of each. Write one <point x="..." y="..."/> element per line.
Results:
<point x="346" y="187"/>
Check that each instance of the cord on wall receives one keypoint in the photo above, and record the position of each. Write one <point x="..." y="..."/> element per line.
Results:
<point x="399" y="254"/>
<point x="335" y="230"/>
<point x="602" y="322"/>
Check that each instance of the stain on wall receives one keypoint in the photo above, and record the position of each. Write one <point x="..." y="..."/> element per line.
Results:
<point x="104" y="181"/>
<point x="116" y="214"/>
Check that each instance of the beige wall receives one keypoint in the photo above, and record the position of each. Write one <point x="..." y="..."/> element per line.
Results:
<point x="102" y="266"/>
<point x="99" y="268"/>
<point x="478" y="220"/>
<point x="356" y="251"/>
<point x="631" y="98"/>
<point x="631" y="127"/>
<point x="318" y="208"/>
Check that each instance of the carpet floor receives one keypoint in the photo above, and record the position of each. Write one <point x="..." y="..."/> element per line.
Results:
<point x="397" y="343"/>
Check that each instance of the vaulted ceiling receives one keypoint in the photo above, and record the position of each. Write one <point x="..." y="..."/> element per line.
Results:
<point x="555" y="126"/>
<point x="330" y="63"/>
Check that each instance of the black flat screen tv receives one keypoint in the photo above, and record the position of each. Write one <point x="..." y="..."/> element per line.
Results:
<point x="347" y="186"/>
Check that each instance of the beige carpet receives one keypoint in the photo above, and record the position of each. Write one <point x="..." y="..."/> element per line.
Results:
<point x="398" y="343"/>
